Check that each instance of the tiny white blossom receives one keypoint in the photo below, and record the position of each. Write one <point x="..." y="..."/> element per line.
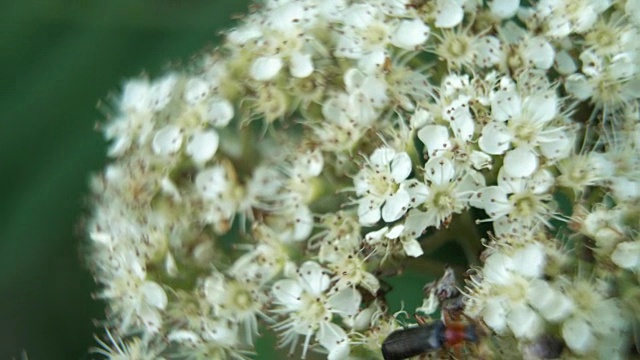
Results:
<point x="539" y="52"/>
<point x="577" y="335"/>
<point x="504" y="8"/>
<point x="201" y="146"/>
<point x="136" y="96"/>
<point x="410" y="34"/>
<point x="522" y="123"/>
<point x="443" y="193"/>
<point x="162" y="91"/>
<point x="526" y="200"/>
<point x="627" y="255"/>
<point x="196" y="90"/>
<point x="308" y="305"/>
<point x="449" y="13"/>
<point x="219" y="112"/>
<point x="509" y="302"/>
<point x="167" y="140"/>
<point x="378" y="185"/>
<point x="266" y="68"/>
<point x="212" y="182"/>
<point x="301" y="65"/>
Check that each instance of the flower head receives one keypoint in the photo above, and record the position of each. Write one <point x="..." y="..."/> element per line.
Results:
<point x="326" y="147"/>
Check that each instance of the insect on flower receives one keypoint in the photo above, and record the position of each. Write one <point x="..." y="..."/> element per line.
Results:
<point x="447" y="334"/>
<point x="427" y="337"/>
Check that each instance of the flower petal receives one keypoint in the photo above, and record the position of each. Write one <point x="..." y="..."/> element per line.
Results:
<point x="265" y="68"/>
<point x="287" y="292"/>
<point x="435" y="138"/>
<point x="495" y="138"/>
<point x="203" y="145"/>
<point x="154" y="294"/>
<point x="401" y="167"/>
<point x="195" y="90"/>
<point x="313" y="278"/>
<point x="219" y="112"/>
<point x="412" y="248"/>
<point x="167" y="140"/>
<point x="505" y="105"/>
<point x="395" y="206"/>
<point x="410" y="34"/>
<point x="300" y="65"/>
<point x="369" y="211"/>
<point x="520" y="162"/>
<point x="345" y="302"/>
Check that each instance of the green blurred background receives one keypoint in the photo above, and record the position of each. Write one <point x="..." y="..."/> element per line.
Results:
<point x="58" y="58"/>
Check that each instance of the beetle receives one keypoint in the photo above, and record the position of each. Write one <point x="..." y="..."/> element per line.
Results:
<point x="427" y="337"/>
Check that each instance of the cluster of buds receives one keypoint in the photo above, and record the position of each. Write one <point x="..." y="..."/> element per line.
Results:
<point x="272" y="185"/>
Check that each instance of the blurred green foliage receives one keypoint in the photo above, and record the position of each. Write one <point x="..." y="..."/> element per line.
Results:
<point x="58" y="58"/>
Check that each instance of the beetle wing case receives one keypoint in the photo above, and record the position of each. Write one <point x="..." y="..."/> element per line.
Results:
<point x="405" y="343"/>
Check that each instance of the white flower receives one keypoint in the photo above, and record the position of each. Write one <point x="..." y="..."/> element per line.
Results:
<point x="391" y="241"/>
<point x="562" y="17"/>
<point x="488" y="51"/>
<point x="339" y="235"/>
<point x="285" y="17"/>
<point x="212" y="182"/>
<point x="301" y="65"/>
<point x="265" y="68"/>
<point x="293" y="221"/>
<point x="128" y="130"/>
<point x="162" y="91"/>
<point x="596" y="321"/>
<point x="364" y="31"/>
<point x="378" y="185"/>
<point x="521" y="203"/>
<point x="538" y="52"/>
<point x="449" y="13"/>
<point x="136" y="96"/>
<point x="632" y="8"/>
<point x="196" y="90"/>
<point x="410" y="34"/>
<point x="578" y="86"/>
<point x="239" y="301"/>
<point x="625" y="189"/>
<point x="523" y="124"/>
<point x="508" y="279"/>
<point x="365" y="90"/>
<point x="352" y="271"/>
<point x="627" y="255"/>
<point x="461" y="48"/>
<point x="308" y="307"/>
<point x="444" y="192"/>
<point x="435" y="138"/>
<point x="504" y="9"/>
<point x="550" y="302"/>
<point x="134" y="299"/>
<point x="218" y="112"/>
<point x="577" y="335"/>
<point x="262" y="190"/>
<point x="132" y="348"/>
<point x="262" y="263"/>
<point x="202" y="145"/>
<point x="335" y="340"/>
<point x="167" y="140"/>
<point x="524" y="322"/>
<point x="580" y="171"/>
<point x="565" y="63"/>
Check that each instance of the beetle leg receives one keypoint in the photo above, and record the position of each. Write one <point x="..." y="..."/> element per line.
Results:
<point x="421" y="320"/>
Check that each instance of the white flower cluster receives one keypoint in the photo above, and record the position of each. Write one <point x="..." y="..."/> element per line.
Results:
<point x="280" y="179"/>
